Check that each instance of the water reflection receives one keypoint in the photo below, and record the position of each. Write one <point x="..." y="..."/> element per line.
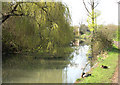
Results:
<point x="47" y="71"/>
<point x="74" y="69"/>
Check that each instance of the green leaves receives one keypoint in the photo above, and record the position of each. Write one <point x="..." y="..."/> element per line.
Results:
<point x="91" y="29"/>
<point x="92" y="22"/>
<point x="44" y="26"/>
<point x="54" y="26"/>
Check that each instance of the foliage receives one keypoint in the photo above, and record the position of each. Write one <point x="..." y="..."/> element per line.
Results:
<point x="118" y="33"/>
<point x="84" y="29"/>
<point x="76" y="31"/>
<point x="112" y="30"/>
<point x="103" y="38"/>
<point x="92" y="15"/>
<point x="37" y="27"/>
<point x="93" y="26"/>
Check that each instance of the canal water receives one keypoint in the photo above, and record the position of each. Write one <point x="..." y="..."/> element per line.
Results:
<point x="23" y="70"/>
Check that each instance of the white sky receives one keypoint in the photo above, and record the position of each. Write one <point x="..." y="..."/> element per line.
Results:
<point x="108" y="9"/>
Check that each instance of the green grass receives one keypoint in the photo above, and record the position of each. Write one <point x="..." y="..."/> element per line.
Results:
<point x="100" y="75"/>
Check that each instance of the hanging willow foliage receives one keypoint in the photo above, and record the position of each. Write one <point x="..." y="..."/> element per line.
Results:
<point x="41" y="27"/>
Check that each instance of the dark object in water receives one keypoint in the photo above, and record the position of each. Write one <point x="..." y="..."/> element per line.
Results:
<point x="105" y="67"/>
<point x="85" y="75"/>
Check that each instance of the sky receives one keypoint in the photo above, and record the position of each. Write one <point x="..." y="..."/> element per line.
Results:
<point x="108" y="11"/>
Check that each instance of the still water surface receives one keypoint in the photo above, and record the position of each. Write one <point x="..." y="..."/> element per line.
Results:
<point x="47" y="71"/>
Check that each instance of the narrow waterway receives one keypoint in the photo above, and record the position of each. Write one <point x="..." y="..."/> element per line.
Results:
<point x="46" y="71"/>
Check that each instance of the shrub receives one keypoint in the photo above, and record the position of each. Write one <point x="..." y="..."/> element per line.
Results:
<point x="103" y="38"/>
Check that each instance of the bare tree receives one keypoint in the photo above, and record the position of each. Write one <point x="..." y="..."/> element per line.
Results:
<point x="90" y="8"/>
<point x="91" y="12"/>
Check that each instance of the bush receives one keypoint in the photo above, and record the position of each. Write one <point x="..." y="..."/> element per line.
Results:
<point x="103" y="39"/>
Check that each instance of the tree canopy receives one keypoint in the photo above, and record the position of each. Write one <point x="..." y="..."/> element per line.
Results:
<point x="38" y="26"/>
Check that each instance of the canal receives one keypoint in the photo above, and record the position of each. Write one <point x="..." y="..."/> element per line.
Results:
<point x="28" y="70"/>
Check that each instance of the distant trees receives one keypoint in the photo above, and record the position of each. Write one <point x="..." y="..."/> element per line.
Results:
<point x="84" y="29"/>
<point x="36" y="26"/>
<point x="80" y="30"/>
<point x="76" y="30"/>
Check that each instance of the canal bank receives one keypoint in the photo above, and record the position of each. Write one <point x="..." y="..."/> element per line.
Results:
<point x="100" y="75"/>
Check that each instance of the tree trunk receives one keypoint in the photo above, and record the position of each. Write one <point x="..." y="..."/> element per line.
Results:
<point x="93" y="22"/>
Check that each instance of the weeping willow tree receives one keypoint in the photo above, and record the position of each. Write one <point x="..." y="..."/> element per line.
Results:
<point x="37" y="27"/>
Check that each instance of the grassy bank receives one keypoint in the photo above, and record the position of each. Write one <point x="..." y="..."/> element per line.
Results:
<point x="100" y="75"/>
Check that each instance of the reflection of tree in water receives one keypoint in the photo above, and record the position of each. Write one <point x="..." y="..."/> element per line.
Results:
<point x="92" y="59"/>
<point x="41" y="68"/>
